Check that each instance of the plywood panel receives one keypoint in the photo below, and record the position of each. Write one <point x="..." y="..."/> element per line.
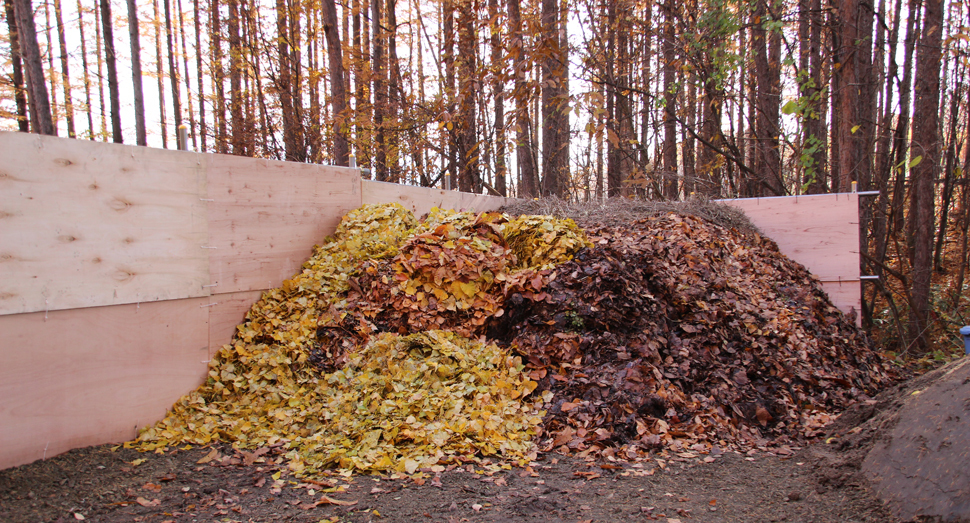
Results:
<point x="226" y="311"/>
<point x="846" y="295"/>
<point x="84" y="377"/>
<point x="819" y="231"/>
<point x="420" y="200"/>
<point x="265" y="217"/>
<point x="87" y="224"/>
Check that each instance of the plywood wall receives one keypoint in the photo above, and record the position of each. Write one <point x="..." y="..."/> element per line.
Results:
<point x="84" y="226"/>
<point x="819" y="231"/>
<point x="80" y="377"/>
<point x="265" y="217"/>
<point x="420" y="200"/>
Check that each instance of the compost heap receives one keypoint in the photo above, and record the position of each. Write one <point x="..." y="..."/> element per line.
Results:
<point x="403" y="345"/>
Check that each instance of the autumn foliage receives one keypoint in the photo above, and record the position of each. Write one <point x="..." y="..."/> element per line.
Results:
<point x="405" y="344"/>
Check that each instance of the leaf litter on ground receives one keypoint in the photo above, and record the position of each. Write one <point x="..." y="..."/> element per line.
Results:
<point x="403" y="345"/>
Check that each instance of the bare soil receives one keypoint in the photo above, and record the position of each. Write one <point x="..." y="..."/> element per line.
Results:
<point x="105" y="484"/>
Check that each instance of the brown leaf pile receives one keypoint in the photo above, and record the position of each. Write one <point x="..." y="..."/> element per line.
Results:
<point x="455" y="275"/>
<point x="676" y="332"/>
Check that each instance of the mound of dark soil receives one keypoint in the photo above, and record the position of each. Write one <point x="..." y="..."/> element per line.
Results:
<point x="911" y="444"/>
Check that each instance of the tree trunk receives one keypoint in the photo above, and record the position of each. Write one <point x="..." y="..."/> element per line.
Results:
<point x="902" y="126"/>
<point x="188" y="80"/>
<point x="467" y="150"/>
<point x="251" y="51"/>
<point x="815" y="134"/>
<point x="632" y="179"/>
<point x="614" y="173"/>
<point x="646" y="57"/>
<point x="173" y="73"/>
<point x="598" y="137"/>
<point x="358" y="63"/>
<point x="203" y="130"/>
<point x="555" y="104"/>
<point x="97" y="44"/>
<point x="51" y="71"/>
<point x="218" y="76"/>
<point x="110" y="60"/>
<point x="40" y="108"/>
<point x="948" y="177"/>
<point x="86" y="75"/>
<point x="284" y="81"/>
<point x="392" y="114"/>
<point x="925" y="144"/>
<point x="141" y="137"/>
<point x="448" y="56"/>
<point x="338" y="96"/>
<point x="294" y="13"/>
<point x="65" y="70"/>
<point x="160" y="75"/>
<point x="19" y="87"/>
<point x="380" y="92"/>
<point x="690" y="174"/>
<point x="669" y="154"/>
<point x="850" y="121"/>
<point x="767" y="47"/>
<point x="236" y="97"/>
<point x="498" y="93"/>
<point x="528" y="187"/>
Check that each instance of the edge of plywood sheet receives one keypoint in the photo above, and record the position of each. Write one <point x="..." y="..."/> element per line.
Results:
<point x="420" y="200"/>
<point x="226" y="311"/>
<point x="86" y="224"/>
<point x="265" y="216"/>
<point x="90" y="376"/>
<point x="846" y="295"/>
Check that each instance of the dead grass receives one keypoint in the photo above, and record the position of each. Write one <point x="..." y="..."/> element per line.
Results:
<point x="617" y="212"/>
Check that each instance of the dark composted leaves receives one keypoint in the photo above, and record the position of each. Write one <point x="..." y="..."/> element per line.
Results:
<point x="675" y="331"/>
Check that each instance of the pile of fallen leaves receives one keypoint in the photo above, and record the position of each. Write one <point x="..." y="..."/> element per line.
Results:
<point x="677" y="332"/>
<point x="314" y="369"/>
<point x="402" y="344"/>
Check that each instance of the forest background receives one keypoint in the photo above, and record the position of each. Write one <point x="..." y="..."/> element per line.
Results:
<point x="581" y="100"/>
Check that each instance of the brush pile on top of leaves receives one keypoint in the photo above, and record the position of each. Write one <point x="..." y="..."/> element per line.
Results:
<point x="403" y="345"/>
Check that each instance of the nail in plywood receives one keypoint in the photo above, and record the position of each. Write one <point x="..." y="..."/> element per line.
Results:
<point x="226" y="311"/>
<point x="420" y="200"/>
<point x="86" y="224"/>
<point x="90" y="376"/>
<point x="265" y="217"/>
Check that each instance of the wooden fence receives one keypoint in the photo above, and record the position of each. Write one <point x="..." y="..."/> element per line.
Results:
<point x="123" y="269"/>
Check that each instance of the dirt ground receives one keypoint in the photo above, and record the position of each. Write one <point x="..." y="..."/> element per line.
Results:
<point x="829" y="480"/>
<point x="826" y="481"/>
<point x="114" y="485"/>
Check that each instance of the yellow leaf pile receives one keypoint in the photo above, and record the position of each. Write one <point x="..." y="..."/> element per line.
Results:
<point x="392" y="401"/>
<point x="285" y="318"/>
<point x="542" y="242"/>
<point x="406" y="402"/>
